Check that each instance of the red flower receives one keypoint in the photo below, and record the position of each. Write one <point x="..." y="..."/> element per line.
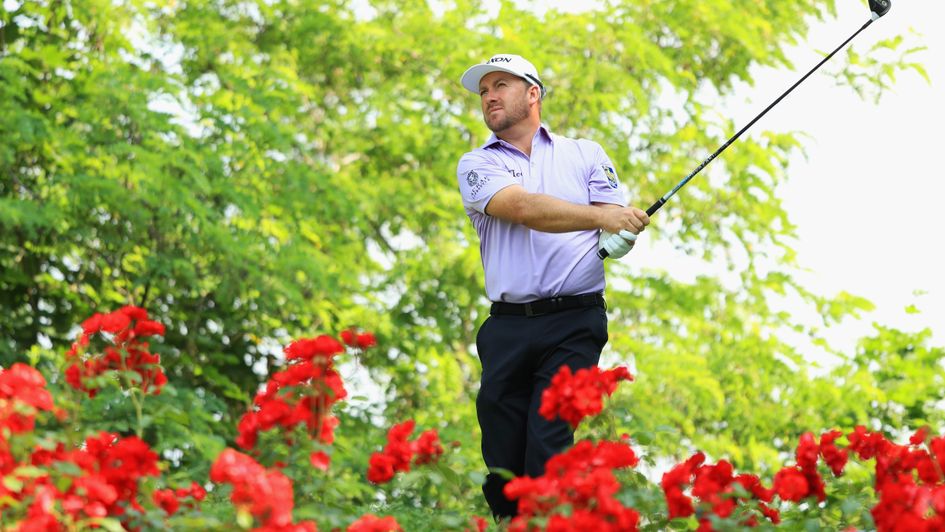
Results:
<point x="574" y="397"/>
<point x="301" y="394"/>
<point x="773" y="515"/>
<point x="673" y="483"/>
<point x="938" y="500"/>
<point x="398" y="448"/>
<point x="678" y="503"/>
<point x="98" y="496"/>
<point x="248" y="429"/>
<point x="167" y="500"/>
<point x="149" y="328"/>
<point x="195" y="491"/>
<point x="711" y="483"/>
<point x="919" y="437"/>
<point x="580" y="520"/>
<point x="124" y="463"/>
<point x="479" y="523"/>
<point x="134" y="313"/>
<point x="428" y="447"/>
<point x="101" y="479"/>
<point x="366" y="340"/>
<point x="359" y="340"/>
<point x="25" y="384"/>
<point x="320" y="460"/>
<point x="23" y="394"/>
<point x="124" y="352"/>
<point x="836" y="458"/>
<point x="902" y="505"/>
<point x="77" y="373"/>
<point x="867" y="444"/>
<point x="114" y="322"/>
<point x="322" y="347"/>
<point x="92" y="325"/>
<point x="925" y="467"/>
<point x="327" y="433"/>
<point x="400" y="453"/>
<point x="937" y="445"/>
<point x="371" y="523"/>
<point x="807" y="451"/>
<point x="301" y="526"/>
<point x="231" y="464"/>
<point x="131" y="456"/>
<point x="265" y="493"/>
<point x="380" y="468"/>
<point x="790" y="484"/>
<point x="581" y="478"/>
<point x="752" y="484"/>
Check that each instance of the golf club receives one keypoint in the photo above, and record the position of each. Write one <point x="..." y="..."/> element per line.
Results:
<point x="878" y="8"/>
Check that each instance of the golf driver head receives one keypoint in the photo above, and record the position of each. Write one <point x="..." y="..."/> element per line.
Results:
<point x="879" y="7"/>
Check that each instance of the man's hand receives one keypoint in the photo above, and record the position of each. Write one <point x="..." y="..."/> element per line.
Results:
<point x="617" y="219"/>
<point x="616" y="247"/>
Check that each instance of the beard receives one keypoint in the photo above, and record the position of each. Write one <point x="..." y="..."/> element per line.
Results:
<point x="515" y="111"/>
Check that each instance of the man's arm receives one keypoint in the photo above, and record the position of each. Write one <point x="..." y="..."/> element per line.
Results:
<point x="548" y="214"/>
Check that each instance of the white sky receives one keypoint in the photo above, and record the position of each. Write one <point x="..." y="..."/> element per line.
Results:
<point x="866" y="200"/>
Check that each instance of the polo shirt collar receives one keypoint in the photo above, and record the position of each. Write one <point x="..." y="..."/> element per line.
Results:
<point x="542" y="131"/>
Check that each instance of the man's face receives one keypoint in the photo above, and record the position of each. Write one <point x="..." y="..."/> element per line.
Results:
<point x="504" y="100"/>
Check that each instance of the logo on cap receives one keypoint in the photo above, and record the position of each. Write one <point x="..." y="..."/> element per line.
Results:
<point x="500" y="59"/>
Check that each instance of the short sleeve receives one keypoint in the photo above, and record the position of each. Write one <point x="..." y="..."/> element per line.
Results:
<point x="479" y="179"/>
<point x="603" y="184"/>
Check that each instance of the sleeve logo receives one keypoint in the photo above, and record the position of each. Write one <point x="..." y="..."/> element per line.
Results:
<point x="611" y="175"/>
<point x="472" y="178"/>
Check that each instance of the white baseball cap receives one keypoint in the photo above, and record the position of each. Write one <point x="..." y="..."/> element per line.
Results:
<point x="513" y="64"/>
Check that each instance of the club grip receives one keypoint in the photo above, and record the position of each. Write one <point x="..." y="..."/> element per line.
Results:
<point x="602" y="253"/>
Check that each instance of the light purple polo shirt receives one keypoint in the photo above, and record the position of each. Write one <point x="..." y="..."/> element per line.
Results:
<point x="521" y="264"/>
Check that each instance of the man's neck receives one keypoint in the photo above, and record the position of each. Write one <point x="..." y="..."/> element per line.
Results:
<point x="520" y="135"/>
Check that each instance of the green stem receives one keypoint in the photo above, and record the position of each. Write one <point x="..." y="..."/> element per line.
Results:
<point x="612" y="426"/>
<point x="139" y="430"/>
<point x="138" y="412"/>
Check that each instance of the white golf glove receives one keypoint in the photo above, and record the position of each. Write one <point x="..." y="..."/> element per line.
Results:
<point x="616" y="245"/>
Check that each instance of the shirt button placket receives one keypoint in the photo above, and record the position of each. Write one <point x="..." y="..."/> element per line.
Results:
<point x="533" y="161"/>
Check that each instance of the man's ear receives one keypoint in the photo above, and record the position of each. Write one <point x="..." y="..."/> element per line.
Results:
<point x="536" y="92"/>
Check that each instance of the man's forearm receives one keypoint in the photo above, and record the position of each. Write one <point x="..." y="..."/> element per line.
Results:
<point x="549" y="214"/>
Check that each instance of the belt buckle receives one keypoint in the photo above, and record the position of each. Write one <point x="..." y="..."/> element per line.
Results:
<point x="528" y="310"/>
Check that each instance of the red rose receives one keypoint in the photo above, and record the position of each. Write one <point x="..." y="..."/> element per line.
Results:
<point x="790" y="484"/>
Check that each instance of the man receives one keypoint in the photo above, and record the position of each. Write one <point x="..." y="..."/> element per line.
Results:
<point x="542" y="205"/>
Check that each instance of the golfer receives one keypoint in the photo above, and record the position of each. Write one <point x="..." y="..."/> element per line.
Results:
<point x="542" y="205"/>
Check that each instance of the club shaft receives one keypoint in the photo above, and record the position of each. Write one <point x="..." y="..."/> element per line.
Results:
<point x="656" y="206"/>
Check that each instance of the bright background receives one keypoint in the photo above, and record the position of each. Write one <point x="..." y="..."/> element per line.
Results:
<point x="867" y="199"/>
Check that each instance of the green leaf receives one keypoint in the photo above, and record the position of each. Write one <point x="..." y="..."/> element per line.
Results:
<point x="244" y="518"/>
<point x="477" y="478"/>
<point x="108" y="523"/>
<point x="12" y="483"/>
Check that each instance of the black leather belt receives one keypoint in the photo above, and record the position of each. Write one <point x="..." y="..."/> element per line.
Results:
<point x="547" y="306"/>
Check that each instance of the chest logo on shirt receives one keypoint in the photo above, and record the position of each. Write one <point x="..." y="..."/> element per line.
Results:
<point x="513" y="172"/>
<point x="611" y="175"/>
<point x="472" y="178"/>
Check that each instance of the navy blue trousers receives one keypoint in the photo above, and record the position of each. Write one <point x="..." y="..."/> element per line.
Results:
<point x="519" y="356"/>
